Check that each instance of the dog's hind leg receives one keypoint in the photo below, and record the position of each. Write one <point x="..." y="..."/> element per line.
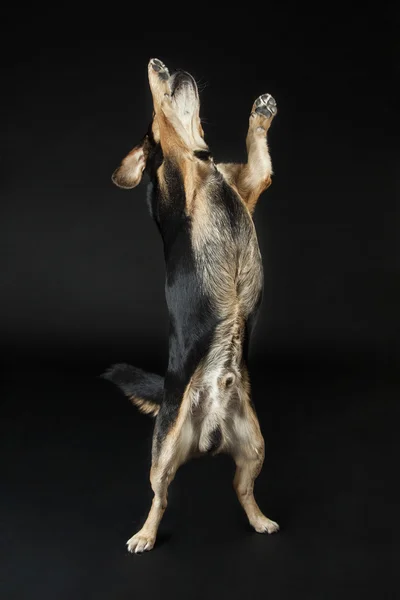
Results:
<point x="246" y="473"/>
<point x="170" y="450"/>
<point x="161" y="476"/>
<point x="248" y="454"/>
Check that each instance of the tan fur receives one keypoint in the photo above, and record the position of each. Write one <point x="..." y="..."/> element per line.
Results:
<point x="216" y="250"/>
<point x="249" y="457"/>
<point x="254" y="177"/>
<point x="129" y="173"/>
<point x="174" y="451"/>
<point x="145" y="406"/>
<point x="177" y="140"/>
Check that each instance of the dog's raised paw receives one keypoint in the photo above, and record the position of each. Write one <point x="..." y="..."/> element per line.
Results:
<point x="141" y="542"/>
<point x="159" y="68"/>
<point x="266" y="105"/>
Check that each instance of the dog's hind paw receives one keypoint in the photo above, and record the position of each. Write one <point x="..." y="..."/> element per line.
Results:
<point x="264" y="525"/>
<point x="141" y="542"/>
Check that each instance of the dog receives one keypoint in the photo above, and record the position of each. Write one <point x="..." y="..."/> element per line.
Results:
<point x="213" y="289"/>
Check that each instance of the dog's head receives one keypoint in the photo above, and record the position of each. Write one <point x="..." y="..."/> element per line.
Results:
<point x="148" y="155"/>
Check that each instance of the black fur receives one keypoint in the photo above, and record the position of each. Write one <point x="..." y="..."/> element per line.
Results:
<point x="135" y="382"/>
<point x="202" y="154"/>
<point x="191" y="316"/>
<point x="216" y="439"/>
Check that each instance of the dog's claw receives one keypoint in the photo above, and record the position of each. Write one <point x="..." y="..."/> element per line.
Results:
<point x="139" y="543"/>
<point x="265" y="525"/>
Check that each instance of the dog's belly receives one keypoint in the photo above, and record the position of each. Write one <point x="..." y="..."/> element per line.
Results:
<point x="218" y="399"/>
<point x="229" y="269"/>
<point x="219" y="392"/>
<point x="227" y="277"/>
<point x="216" y="421"/>
<point x="227" y="257"/>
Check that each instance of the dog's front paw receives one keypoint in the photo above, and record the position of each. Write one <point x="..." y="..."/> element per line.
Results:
<point x="159" y="81"/>
<point x="141" y="542"/>
<point x="265" y="105"/>
<point x="159" y="68"/>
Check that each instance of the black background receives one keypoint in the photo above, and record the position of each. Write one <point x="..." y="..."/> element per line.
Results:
<point x="82" y="286"/>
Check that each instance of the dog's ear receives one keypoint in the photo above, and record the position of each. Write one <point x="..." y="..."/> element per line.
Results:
<point x="129" y="173"/>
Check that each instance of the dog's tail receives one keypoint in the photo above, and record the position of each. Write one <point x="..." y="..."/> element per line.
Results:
<point x="145" y="390"/>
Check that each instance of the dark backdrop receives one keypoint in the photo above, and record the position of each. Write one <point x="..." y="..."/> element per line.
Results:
<point x="82" y="267"/>
<point x="81" y="278"/>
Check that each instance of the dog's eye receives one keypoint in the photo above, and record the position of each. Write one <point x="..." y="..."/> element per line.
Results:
<point x="202" y="154"/>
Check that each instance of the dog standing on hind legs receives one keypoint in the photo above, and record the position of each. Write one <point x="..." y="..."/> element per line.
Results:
<point x="213" y="289"/>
